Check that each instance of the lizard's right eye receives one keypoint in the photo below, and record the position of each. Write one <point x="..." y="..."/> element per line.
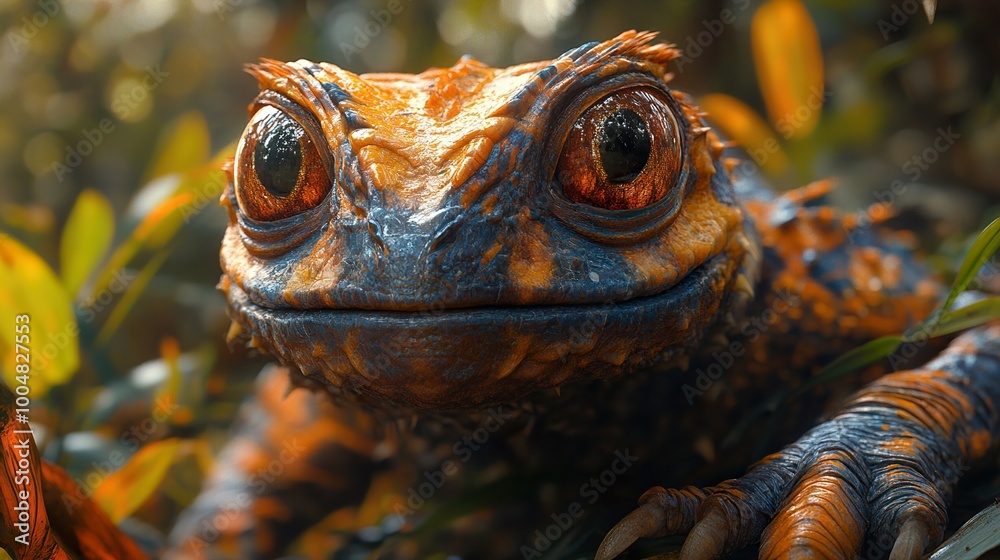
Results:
<point x="279" y="171"/>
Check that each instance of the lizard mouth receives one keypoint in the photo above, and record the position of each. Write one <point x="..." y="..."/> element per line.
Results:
<point x="472" y="358"/>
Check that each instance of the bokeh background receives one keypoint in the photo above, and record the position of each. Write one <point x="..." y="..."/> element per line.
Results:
<point x="114" y="116"/>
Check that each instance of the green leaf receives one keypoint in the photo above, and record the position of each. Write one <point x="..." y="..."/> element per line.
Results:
<point x="868" y="353"/>
<point x="85" y="238"/>
<point x="122" y="493"/>
<point x="768" y="406"/>
<point x="985" y="246"/>
<point x="29" y="287"/>
<point x="969" y="316"/>
<point x="940" y="322"/>
<point x="184" y="146"/>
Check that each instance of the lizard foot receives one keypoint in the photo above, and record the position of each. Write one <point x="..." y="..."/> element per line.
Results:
<point x="881" y="473"/>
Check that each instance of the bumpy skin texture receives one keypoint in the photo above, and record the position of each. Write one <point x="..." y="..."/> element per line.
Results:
<point x="443" y="249"/>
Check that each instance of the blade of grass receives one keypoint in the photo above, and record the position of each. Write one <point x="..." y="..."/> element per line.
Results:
<point x="971" y="315"/>
<point x="985" y="246"/>
<point x="939" y="322"/>
<point x="132" y="294"/>
<point x="863" y="355"/>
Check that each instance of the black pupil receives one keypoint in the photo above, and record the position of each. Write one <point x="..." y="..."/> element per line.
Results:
<point x="624" y="145"/>
<point x="277" y="158"/>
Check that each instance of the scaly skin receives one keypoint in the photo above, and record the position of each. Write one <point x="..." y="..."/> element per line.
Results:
<point x="484" y="296"/>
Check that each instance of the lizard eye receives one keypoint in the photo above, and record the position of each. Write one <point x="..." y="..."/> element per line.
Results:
<point x="279" y="170"/>
<point x="622" y="153"/>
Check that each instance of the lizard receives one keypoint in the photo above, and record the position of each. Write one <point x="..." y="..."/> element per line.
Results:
<point x="520" y="278"/>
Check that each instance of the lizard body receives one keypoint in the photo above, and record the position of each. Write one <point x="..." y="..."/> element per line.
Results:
<point x="515" y="279"/>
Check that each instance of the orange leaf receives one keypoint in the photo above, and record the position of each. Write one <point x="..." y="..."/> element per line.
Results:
<point x="24" y="524"/>
<point x="789" y="64"/>
<point x="745" y="127"/>
<point x="126" y="489"/>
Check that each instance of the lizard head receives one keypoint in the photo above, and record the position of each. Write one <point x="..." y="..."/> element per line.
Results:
<point x="464" y="236"/>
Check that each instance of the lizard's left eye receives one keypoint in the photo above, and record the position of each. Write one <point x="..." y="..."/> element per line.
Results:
<point x="279" y="170"/>
<point x="622" y="153"/>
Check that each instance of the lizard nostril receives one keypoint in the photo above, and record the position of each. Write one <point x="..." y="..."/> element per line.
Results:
<point x="445" y="236"/>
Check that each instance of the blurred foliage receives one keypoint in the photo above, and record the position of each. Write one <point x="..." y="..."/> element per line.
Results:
<point x="29" y="287"/>
<point x="789" y="65"/>
<point x="116" y="116"/>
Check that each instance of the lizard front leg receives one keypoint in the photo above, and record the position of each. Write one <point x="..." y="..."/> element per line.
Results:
<point x="295" y="458"/>
<point x="884" y="468"/>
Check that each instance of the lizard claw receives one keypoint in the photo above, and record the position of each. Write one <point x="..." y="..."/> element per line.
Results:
<point x="912" y="540"/>
<point x="822" y="496"/>
<point x="661" y="512"/>
<point x="708" y="538"/>
<point x="647" y="520"/>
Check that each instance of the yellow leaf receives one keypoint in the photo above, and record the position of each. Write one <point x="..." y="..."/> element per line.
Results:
<point x="85" y="239"/>
<point x="745" y="127"/>
<point x="122" y="493"/>
<point x="29" y="287"/>
<point x="789" y="64"/>
<point x="183" y="146"/>
<point x="206" y="183"/>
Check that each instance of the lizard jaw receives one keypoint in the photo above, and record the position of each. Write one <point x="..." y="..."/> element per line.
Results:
<point x="473" y="358"/>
